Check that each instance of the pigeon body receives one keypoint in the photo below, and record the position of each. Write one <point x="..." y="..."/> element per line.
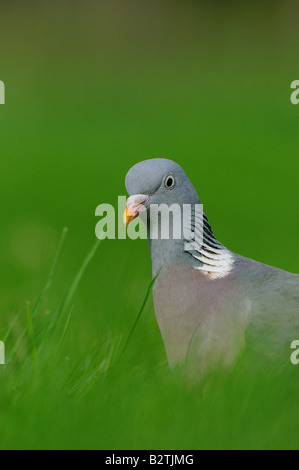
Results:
<point x="209" y="301"/>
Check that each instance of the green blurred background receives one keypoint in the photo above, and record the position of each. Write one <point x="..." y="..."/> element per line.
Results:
<point x="92" y="88"/>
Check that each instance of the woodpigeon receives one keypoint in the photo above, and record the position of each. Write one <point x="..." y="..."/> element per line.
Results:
<point x="209" y="301"/>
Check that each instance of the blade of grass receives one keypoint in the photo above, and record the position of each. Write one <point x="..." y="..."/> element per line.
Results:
<point x="63" y="335"/>
<point x="68" y="296"/>
<point x="76" y="368"/>
<point x="52" y="272"/>
<point x="139" y="313"/>
<point x="48" y="284"/>
<point x="12" y="325"/>
<point x="31" y="336"/>
<point x="77" y="279"/>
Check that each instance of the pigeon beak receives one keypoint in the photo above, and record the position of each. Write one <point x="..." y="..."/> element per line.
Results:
<point x="135" y="204"/>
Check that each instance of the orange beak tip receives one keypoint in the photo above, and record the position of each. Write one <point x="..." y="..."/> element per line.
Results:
<point x="128" y="216"/>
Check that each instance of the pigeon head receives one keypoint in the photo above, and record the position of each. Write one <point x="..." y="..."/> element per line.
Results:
<point x="157" y="181"/>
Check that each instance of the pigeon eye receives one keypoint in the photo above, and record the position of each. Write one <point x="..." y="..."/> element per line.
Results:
<point x="169" y="182"/>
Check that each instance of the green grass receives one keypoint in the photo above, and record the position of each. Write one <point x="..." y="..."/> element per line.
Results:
<point x="115" y="395"/>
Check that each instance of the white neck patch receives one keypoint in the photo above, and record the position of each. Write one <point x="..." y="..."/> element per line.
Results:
<point x="214" y="260"/>
<point x="217" y="267"/>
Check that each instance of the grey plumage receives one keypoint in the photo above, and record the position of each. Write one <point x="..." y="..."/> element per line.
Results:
<point x="208" y="300"/>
